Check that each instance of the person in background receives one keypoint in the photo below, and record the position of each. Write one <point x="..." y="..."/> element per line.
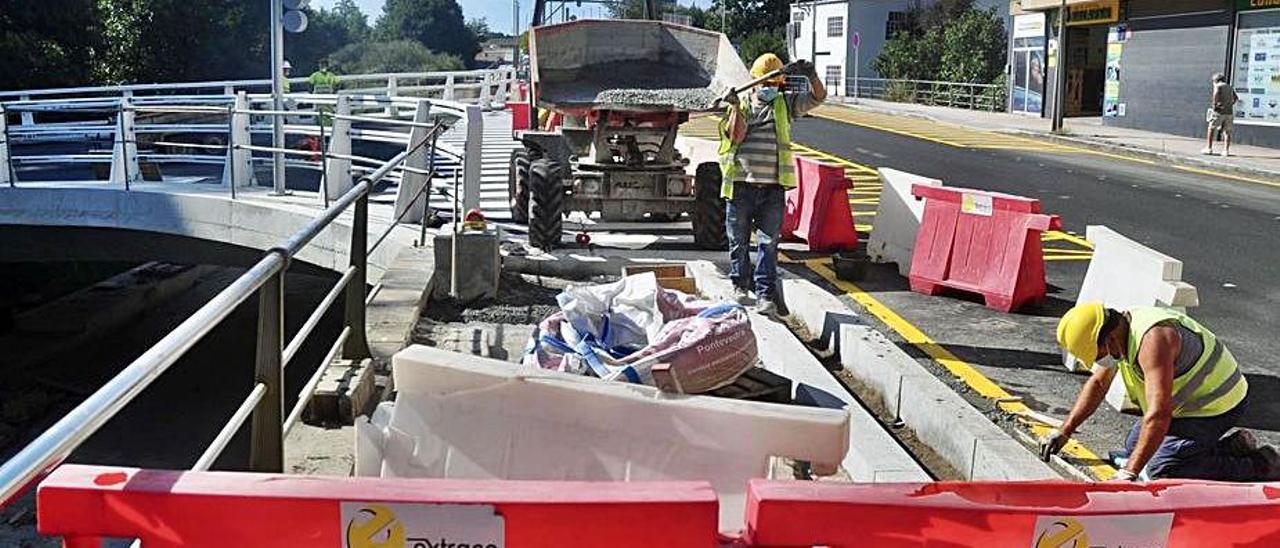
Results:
<point x="1221" y="115"/>
<point x="757" y="169"/>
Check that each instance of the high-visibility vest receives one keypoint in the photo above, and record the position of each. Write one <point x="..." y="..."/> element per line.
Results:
<point x="729" y="149"/>
<point x="323" y="81"/>
<point x="1213" y="386"/>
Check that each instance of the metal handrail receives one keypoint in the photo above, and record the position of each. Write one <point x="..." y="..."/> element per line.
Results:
<point x="53" y="446"/>
<point x="974" y="96"/>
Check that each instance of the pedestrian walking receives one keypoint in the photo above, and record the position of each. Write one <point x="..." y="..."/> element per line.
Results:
<point x="757" y="169"/>
<point x="1221" y="114"/>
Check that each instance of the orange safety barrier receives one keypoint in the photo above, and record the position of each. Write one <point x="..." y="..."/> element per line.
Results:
<point x="521" y="115"/>
<point x="1036" y="514"/>
<point x="817" y="210"/>
<point x="167" y="508"/>
<point x="981" y="242"/>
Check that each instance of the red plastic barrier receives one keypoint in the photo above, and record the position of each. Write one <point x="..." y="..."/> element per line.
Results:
<point x="1038" y="514"/>
<point x="520" y="115"/>
<point x="982" y="242"/>
<point x="165" y="508"/>
<point x="818" y="208"/>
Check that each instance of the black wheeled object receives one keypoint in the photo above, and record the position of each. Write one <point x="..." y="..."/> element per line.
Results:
<point x="708" y="209"/>
<point x="546" y="209"/>
<point x="518" y="186"/>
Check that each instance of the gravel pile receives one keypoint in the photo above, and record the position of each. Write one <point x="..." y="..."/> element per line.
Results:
<point x="695" y="99"/>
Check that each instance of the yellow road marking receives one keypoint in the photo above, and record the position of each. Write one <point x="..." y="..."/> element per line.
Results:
<point x="974" y="379"/>
<point x="1226" y="175"/>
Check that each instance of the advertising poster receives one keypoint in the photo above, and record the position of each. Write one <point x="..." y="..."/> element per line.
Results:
<point x="1257" y="75"/>
<point x="1111" y="87"/>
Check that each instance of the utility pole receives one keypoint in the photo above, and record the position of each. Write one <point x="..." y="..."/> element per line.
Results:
<point x="1060" y="78"/>
<point x="277" y="97"/>
<point x="515" y="34"/>
<point x="722" y="17"/>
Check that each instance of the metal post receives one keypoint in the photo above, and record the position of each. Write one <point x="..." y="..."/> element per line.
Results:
<point x="357" y="345"/>
<point x="338" y="178"/>
<point x="277" y="99"/>
<point x="242" y="173"/>
<point x="324" y="163"/>
<point x="28" y="117"/>
<point x="1060" y="75"/>
<point x="411" y="182"/>
<point x="7" y="175"/>
<point x="266" y="446"/>
<point x="124" y="154"/>
<point x="392" y="90"/>
<point x="515" y="33"/>
<point x="472" y="153"/>
<point x="453" y="242"/>
<point x="856" y="52"/>
<point x="448" y="88"/>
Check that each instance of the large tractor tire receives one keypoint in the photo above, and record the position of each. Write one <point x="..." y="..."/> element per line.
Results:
<point x="518" y="186"/>
<point x="708" y="208"/>
<point x="546" y="196"/>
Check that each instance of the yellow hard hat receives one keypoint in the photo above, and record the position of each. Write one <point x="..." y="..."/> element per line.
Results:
<point x="765" y="63"/>
<point x="1078" y="330"/>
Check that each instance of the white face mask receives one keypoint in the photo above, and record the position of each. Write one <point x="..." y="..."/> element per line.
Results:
<point x="1106" y="361"/>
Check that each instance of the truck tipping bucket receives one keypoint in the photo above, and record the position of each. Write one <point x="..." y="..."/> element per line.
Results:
<point x="613" y="64"/>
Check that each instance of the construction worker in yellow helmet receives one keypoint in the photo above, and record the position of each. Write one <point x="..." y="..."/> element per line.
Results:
<point x="1185" y="381"/>
<point x="756" y="169"/>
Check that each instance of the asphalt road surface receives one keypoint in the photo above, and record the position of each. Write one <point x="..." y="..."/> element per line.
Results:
<point x="1225" y="231"/>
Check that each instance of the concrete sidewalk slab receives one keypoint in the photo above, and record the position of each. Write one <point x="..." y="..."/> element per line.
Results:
<point x="1089" y="133"/>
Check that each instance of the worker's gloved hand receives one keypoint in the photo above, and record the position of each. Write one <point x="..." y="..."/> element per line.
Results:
<point x="800" y="67"/>
<point x="1051" y="443"/>
<point x="730" y="98"/>
<point x="1124" y="474"/>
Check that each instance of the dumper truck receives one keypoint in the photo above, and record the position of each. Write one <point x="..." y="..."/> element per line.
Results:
<point x="614" y="93"/>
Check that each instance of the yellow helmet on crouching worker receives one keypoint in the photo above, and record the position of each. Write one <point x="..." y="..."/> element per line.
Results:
<point x="1079" y="328"/>
<point x="766" y="63"/>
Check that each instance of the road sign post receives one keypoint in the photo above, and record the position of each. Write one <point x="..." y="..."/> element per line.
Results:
<point x="856" y="42"/>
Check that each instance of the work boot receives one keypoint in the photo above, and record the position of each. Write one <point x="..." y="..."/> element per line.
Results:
<point x="741" y="295"/>
<point x="1269" y="462"/>
<point x="1208" y="151"/>
<point x="766" y="308"/>
<point x="1239" y="443"/>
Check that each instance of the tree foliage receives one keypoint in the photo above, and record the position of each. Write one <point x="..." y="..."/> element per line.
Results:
<point x="327" y="32"/>
<point x="394" y="56"/>
<point x="46" y="44"/>
<point x="948" y="41"/>
<point x="436" y="24"/>
<point x="761" y="42"/>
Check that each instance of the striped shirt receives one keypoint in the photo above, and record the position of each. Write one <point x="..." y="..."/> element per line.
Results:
<point x="757" y="156"/>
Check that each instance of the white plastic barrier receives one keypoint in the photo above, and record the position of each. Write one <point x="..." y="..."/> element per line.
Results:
<point x="897" y="219"/>
<point x="1124" y="273"/>
<point x="462" y="416"/>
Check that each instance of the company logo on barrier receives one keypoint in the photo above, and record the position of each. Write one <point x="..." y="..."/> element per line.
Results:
<point x="1127" y="531"/>
<point x="373" y="525"/>
<point x="1064" y="533"/>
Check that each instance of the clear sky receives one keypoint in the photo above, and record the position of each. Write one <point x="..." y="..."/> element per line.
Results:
<point x="497" y="12"/>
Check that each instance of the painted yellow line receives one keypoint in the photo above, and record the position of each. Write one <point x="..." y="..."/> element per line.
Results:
<point x="1061" y="251"/>
<point x="974" y="379"/>
<point x="1227" y="176"/>
<point x="917" y="135"/>
<point x="1067" y="257"/>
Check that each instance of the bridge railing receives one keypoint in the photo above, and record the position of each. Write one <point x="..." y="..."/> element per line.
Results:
<point x="264" y="406"/>
<point x="218" y="129"/>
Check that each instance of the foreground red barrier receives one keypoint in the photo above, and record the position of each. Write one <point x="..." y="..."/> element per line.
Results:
<point x="818" y="208"/>
<point x="164" y="508"/>
<point x="1037" y="514"/>
<point x="521" y="115"/>
<point x="982" y="242"/>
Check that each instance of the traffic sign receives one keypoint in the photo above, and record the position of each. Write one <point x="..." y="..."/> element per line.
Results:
<point x="856" y="40"/>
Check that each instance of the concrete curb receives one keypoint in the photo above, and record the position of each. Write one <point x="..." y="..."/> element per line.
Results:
<point x="874" y="456"/>
<point x="1083" y="142"/>
<point x="940" y="418"/>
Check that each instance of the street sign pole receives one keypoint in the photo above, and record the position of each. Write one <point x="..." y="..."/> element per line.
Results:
<point x="856" y="41"/>
<point x="1059" y="84"/>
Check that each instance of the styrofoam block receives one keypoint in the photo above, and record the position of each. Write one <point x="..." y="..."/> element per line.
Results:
<point x="463" y="416"/>
<point x="1123" y="274"/>
<point x="893" y="238"/>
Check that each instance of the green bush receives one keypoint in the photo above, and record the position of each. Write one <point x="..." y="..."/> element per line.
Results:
<point x="763" y="41"/>
<point x="394" y="56"/>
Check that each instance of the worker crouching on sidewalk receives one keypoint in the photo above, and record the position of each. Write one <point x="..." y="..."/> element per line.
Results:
<point x="757" y="169"/>
<point x="1186" y="382"/>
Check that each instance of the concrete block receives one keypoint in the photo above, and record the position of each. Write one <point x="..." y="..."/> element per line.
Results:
<point x="943" y="420"/>
<point x="478" y="260"/>
<point x="346" y="390"/>
<point x="897" y="219"/>
<point x="462" y="416"/>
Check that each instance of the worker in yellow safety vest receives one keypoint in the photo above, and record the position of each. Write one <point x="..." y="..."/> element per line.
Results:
<point x="1185" y="381"/>
<point x="322" y="80"/>
<point x="756" y="168"/>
